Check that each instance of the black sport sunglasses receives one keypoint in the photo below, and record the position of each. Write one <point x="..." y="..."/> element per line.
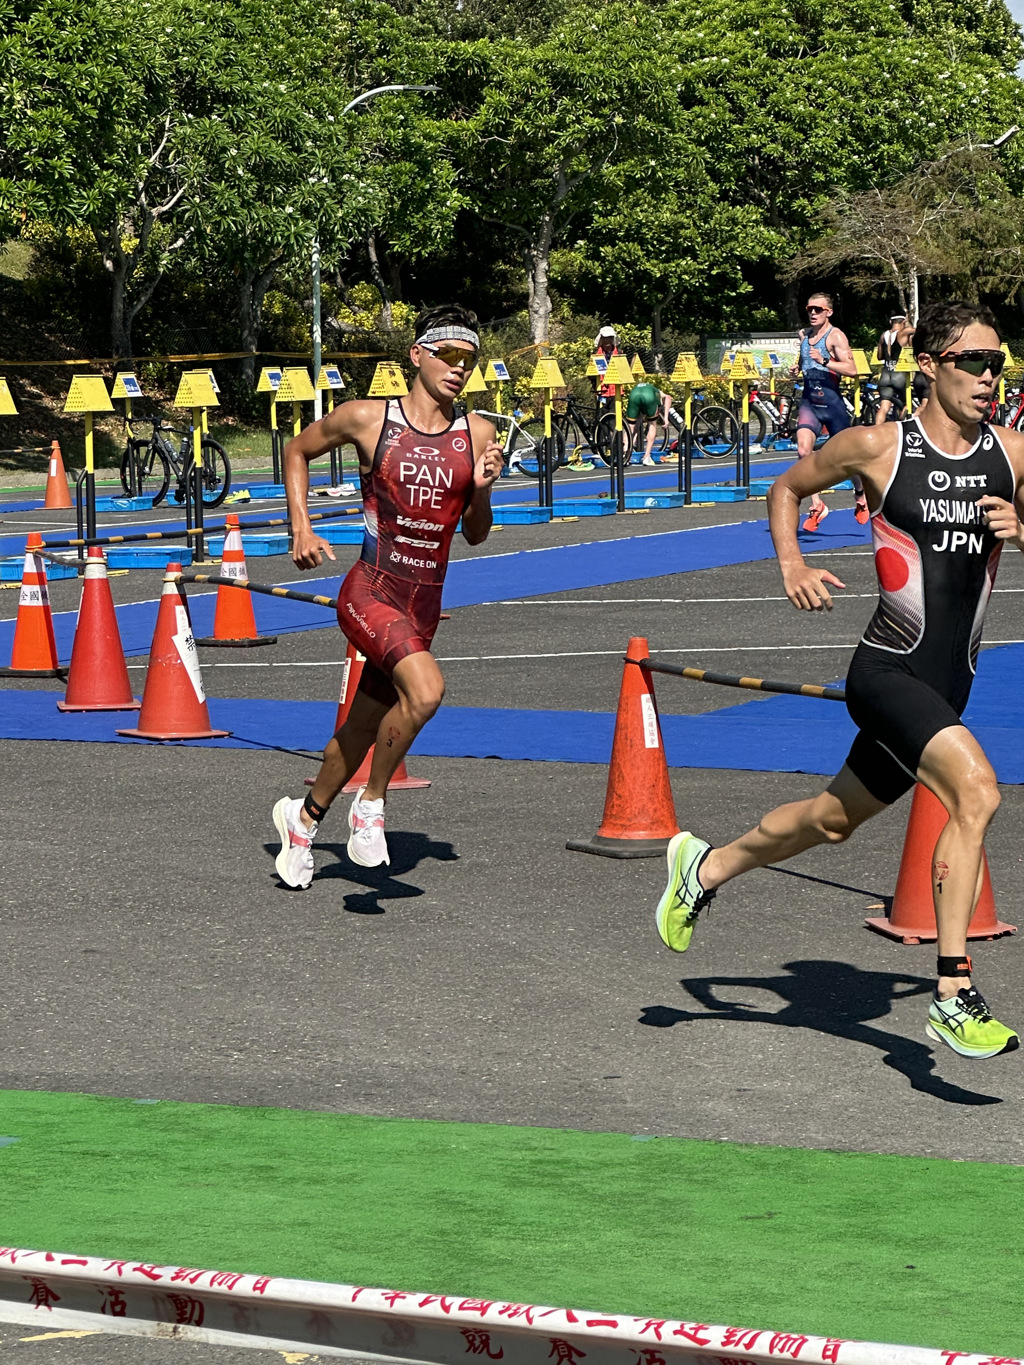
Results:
<point x="976" y="362"/>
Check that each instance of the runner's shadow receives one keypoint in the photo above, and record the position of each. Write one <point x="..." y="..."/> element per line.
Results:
<point x="407" y="851"/>
<point x="833" y="998"/>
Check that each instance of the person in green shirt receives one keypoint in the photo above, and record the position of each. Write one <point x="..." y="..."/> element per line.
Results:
<point x="647" y="398"/>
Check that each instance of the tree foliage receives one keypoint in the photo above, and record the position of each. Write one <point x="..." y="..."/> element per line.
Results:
<point x="689" y="162"/>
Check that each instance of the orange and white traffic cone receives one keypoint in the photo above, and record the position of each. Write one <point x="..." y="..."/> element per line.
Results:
<point x="911" y="917"/>
<point x="174" y="702"/>
<point x="234" y="623"/>
<point x="34" y="652"/>
<point x="353" y="671"/>
<point x="57" y="492"/>
<point x="98" y="677"/>
<point x="639" y="811"/>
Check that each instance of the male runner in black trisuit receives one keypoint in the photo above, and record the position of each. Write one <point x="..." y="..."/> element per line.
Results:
<point x="945" y="492"/>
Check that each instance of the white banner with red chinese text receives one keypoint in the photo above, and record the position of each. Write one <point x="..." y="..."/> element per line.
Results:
<point x="338" y="1319"/>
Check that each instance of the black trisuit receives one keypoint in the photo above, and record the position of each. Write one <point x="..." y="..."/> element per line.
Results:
<point x="936" y="562"/>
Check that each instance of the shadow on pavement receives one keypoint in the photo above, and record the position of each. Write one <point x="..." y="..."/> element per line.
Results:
<point x="833" y="998"/>
<point x="407" y="851"/>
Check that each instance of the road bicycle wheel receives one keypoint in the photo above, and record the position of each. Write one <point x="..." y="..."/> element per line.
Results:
<point x="574" y="442"/>
<point x="757" y="426"/>
<point x="604" y="434"/>
<point x="527" y="447"/>
<point x="716" y="433"/>
<point x="152" y="470"/>
<point x="216" y="478"/>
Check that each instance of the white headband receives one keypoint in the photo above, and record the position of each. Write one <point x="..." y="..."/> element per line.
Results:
<point x="447" y="333"/>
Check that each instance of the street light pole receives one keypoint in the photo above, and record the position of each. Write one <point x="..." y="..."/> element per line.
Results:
<point x="317" y="327"/>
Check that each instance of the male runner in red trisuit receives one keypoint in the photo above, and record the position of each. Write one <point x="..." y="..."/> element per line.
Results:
<point x="422" y="467"/>
<point x="946" y="492"/>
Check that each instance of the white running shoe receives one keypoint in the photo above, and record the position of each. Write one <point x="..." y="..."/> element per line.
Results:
<point x="295" y="861"/>
<point x="366" y="844"/>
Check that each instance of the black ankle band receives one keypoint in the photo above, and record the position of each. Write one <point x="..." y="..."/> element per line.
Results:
<point x="953" y="966"/>
<point x="311" y="808"/>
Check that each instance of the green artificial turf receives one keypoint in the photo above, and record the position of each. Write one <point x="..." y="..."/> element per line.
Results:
<point x="900" y="1249"/>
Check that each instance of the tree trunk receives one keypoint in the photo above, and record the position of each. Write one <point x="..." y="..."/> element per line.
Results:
<point x="538" y="265"/>
<point x="792" y="304"/>
<point x="251" y="293"/>
<point x="378" y="280"/>
<point x="656" y="344"/>
<point x="121" y="316"/>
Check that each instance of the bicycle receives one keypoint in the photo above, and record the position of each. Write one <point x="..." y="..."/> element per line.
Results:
<point x="523" y="446"/>
<point x="147" y="464"/>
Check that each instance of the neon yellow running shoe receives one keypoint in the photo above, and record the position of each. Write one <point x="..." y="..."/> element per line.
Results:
<point x="683" y="898"/>
<point x="965" y="1023"/>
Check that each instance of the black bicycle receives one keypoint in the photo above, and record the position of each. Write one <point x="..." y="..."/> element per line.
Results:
<point x="147" y="465"/>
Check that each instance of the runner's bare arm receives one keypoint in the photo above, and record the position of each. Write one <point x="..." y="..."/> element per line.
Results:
<point x="1002" y="517"/>
<point x="477" y="518"/>
<point x="841" y="361"/>
<point x="356" y="422"/>
<point x="867" y="451"/>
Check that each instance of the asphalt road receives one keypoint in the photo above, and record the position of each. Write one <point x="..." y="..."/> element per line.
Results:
<point x="488" y="974"/>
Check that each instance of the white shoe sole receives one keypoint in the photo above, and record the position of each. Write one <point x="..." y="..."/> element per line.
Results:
<point x="350" y="847"/>
<point x="281" y="861"/>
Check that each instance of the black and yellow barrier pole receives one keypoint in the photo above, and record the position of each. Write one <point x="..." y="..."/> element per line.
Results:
<point x="126" y="387"/>
<point x="860" y="359"/>
<point x="546" y="378"/>
<point x="88" y="395"/>
<point x="498" y="375"/>
<point x="744" y="372"/>
<point x="620" y="376"/>
<point x="704" y="675"/>
<point x="270" y="382"/>
<point x="328" y="381"/>
<point x="195" y="392"/>
<point x="687" y="373"/>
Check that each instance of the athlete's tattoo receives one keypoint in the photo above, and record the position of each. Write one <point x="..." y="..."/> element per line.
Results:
<point x="940" y="872"/>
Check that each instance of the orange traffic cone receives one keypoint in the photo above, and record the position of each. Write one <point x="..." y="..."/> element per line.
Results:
<point x="639" y="812"/>
<point x="34" y="653"/>
<point x="234" y="625"/>
<point x="174" y="702"/>
<point x="353" y="671"/>
<point x="912" y="914"/>
<point x="98" y="679"/>
<point x="57" y="492"/>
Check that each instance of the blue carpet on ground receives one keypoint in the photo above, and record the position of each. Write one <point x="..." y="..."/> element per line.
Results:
<point x="487" y="578"/>
<point x="780" y="734"/>
<point x="33" y="506"/>
<point x="506" y="495"/>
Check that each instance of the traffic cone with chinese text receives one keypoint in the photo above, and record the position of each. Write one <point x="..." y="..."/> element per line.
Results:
<point x="34" y="652"/>
<point x="639" y="812"/>
<point x="57" y="492"/>
<point x="912" y="914"/>
<point x="174" y="701"/>
<point x="234" y="622"/>
<point x="98" y="677"/>
<point x="353" y="671"/>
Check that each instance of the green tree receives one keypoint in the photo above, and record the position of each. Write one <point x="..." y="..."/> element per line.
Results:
<point x="553" y="120"/>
